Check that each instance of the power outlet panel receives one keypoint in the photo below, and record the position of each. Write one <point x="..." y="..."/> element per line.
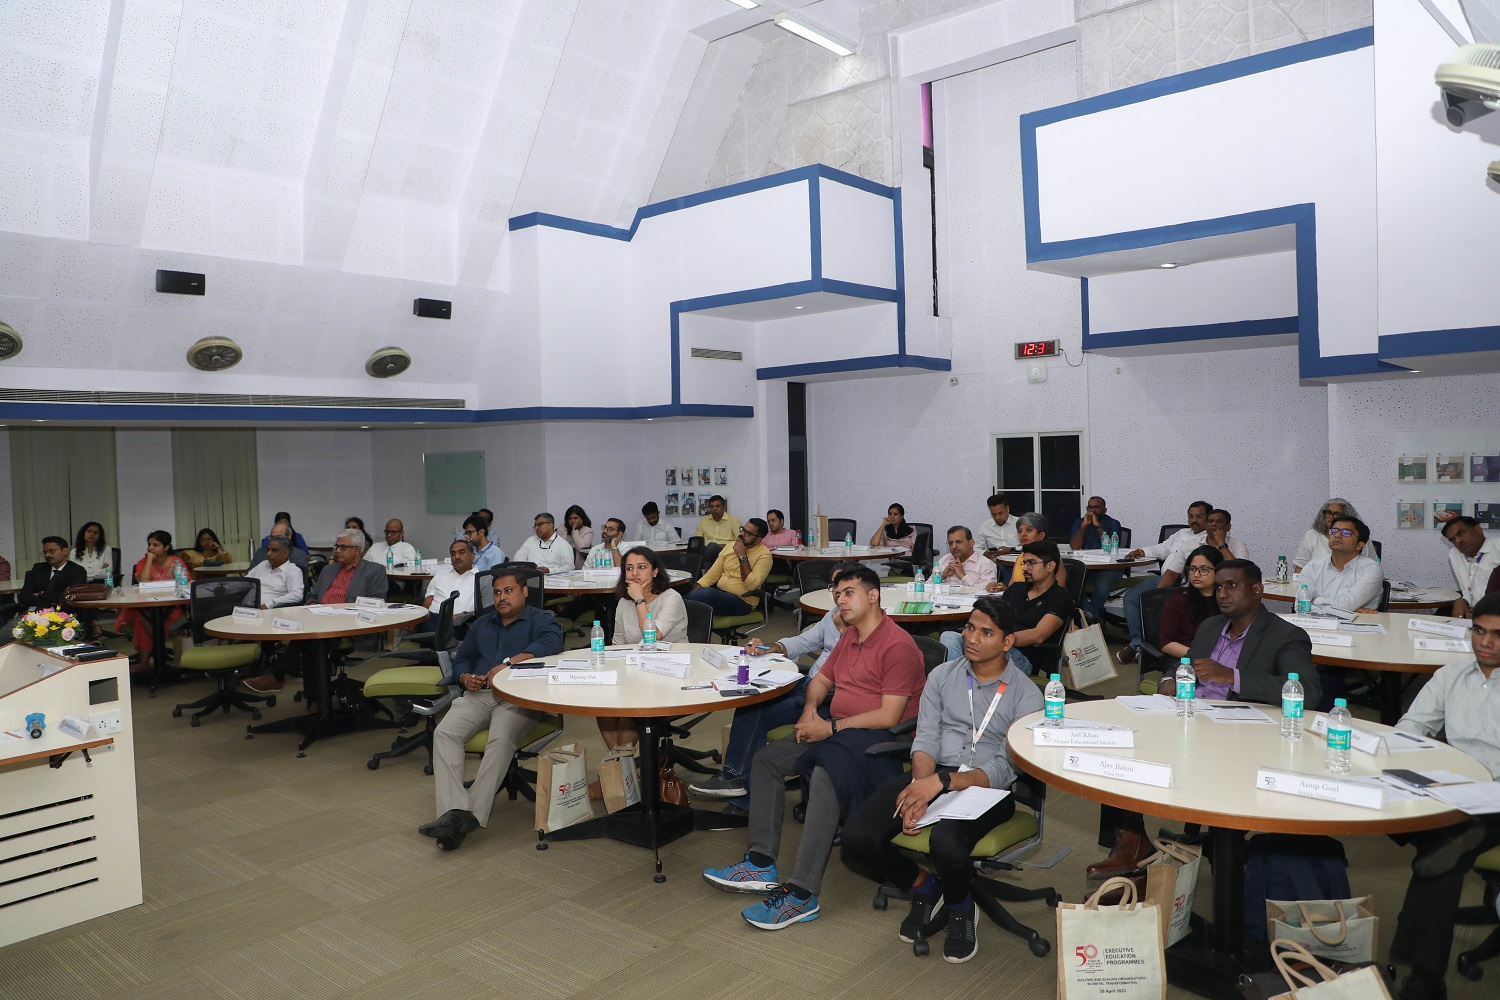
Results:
<point x="106" y="723"/>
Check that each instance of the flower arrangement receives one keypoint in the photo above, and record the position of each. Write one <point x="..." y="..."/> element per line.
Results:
<point x="47" y="627"/>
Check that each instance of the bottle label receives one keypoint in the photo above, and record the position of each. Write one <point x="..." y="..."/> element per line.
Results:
<point x="1186" y="690"/>
<point x="1054" y="709"/>
<point x="1291" y="708"/>
<point x="597" y="644"/>
<point x="649" y="636"/>
<point x="1338" y="739"/>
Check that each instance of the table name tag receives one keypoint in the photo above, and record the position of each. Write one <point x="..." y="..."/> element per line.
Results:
<point x="156" y="586"/>
<point x="251" y="613"/>
<point x="1449" y="629"/>
<point x="368" y="617"/>
<point x="1313" y="622"/>
<point x="1330" y="639"/>
<point x="1315" y="786"/>
<point x="1359" y="739"/>
<point x="666" y="668"/>
<point x="597" y="678"/>
<point x="723" y="658"/>
<point x="1143" y="772"/>
<point x="368" y="602"/>
<point x="286" y="624"/>
<point x="1435" y="644"/>
<point x="1049" y="737"/>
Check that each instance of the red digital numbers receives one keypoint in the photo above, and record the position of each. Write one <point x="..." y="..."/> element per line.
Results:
<point x="1036" y="349"/>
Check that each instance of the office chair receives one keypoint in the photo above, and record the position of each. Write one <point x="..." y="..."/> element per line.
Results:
<point x="418" y="690"/>
<point x="838" y="527"/>
<point x="220" y="660"/>
<point x="711" y="553"/>
<point x="1151" y="658"/>
<point x="732" y="629"/>
<point x="690" y="563"/>
<point x="812" y="575"/>
<point x="694" y="543"/>
<point x="1487" y="866"/>
<point x="700" y="620"/>
<point x="519" y="780"/>
<point x="904" y="570"/>
<point x="934" y="653"/>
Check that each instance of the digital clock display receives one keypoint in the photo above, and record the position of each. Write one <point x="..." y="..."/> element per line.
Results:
<point x="1036" y="349"/>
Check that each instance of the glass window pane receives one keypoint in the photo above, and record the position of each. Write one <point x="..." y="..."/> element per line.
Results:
<point x="1016" y="465"/>
<point x="1061" y="468"/>
<point x="1021" y="501"/>
<point x="1060" y="507"/>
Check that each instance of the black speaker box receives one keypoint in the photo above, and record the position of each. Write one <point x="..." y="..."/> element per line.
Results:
<point x="179" y="282"/>
<point x="432" y="308"/>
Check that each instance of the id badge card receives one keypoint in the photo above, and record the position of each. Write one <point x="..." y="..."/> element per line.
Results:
<point x="964" y="768"/>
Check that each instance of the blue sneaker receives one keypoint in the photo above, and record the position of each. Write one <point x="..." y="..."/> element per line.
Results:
<point x="743" y="877"/>
<point x="780" y="909"/>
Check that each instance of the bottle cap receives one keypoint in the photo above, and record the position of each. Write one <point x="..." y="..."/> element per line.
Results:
<point x="1057" y="677"/>
<point x="596" y="621"/>
<point x="1340" y="703"/>
<point x="1291" y="677"/>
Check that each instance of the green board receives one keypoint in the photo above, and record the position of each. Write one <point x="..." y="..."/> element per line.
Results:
<point x="454" y="481"/>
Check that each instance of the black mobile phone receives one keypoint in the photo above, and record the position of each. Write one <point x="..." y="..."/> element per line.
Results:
<point x="1406" y="777"/>
<point x="737" y="692"/>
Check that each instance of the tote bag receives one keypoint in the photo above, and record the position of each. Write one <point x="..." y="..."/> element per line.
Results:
<point x="1110" y="952"/>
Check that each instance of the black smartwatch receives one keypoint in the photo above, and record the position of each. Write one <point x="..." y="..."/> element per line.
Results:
<point x="946" y="777"/>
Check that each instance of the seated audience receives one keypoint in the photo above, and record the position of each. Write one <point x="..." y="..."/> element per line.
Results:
<point x="298" y="542"/>
<point x="357" y="523"/>
<point x="1186" y="539"/>
<point x="1030" y="527"/>
<point x="487" y="555"/>
<point x="780" y="535"/>
<point x="650" y="529"/>
<point x="1315" y="541"/>
<point x="1042" y="604"/>
<point x="516" y="633"/>
<point x="894" y="532"/>
<point x="1457" y="702"/>
<point x="282" y="582"/>
<point x="608" y="552"/>
<point x="91" y="551"/>
<point x="948" y="756"/>
<point x="156" y="565"/>
<point x="1088" y="532"/>
<point x="1474" y="558"/>
<point x="402" y="552"/>
<point x="550" y="552"/>
<point x="489" y="516"/>
<point x="579" y="532"/>
<point x="1341" y="579"/>
<point x="206" y="551"/>
<point x="876" y="675"/>
<point x="732" y="583"/>
<point x="997" y="536"/>
<point x="299" y="556"/>
<point x="1190" y="606"/>
<point x="644" y="589"/>
<point x="4" y="569"/>
<point x="718" y="526"/>
<point x="454" y="578"/>
<point x="961" y="566"/>
<point x="47" y="581"/>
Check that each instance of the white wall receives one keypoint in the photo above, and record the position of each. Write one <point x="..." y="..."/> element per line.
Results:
<point x="1213" y="291"/>
<point x="22" y="558"/>
<point x="143" y="472"/>
<point x="319" y="477"/>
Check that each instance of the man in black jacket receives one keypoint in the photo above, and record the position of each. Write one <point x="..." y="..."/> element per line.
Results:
<point x="46" y="582"/>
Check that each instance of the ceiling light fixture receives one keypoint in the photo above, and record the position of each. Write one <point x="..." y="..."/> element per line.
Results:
<point x="364" y="427"/>
<point x="799" y="307"/>
<point x="747" y="4"/>
<point x="786" y="22"/>
<point x="1169" y="265"/>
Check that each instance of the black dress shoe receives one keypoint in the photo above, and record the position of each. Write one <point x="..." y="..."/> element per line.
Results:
<point x="451" y="842"/>
<point x="1420" y="986"/>
<point x="444" y="824"/>
<point x="1127" y="654"/>
<point x="467" y="823"/>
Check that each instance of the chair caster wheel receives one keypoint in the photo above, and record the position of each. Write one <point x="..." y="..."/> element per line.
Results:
<point x="1039" y="947"/>
<point x="427" y="770"/>
<point x="1053" y="899"/>
<point x="255" y="715"/>
<point x="541" y="847"/>
<point x="196" y="722"/>
<point x="658" y="879"/>
<point x="373" y="764"/>
<point x="1470" y="970"/>
<point x="297" y="696"/>
<point x="880" y="902"/>
<point x="176" y="713"/>
<point x="920" y="948"/>
<point x="271" y="701"/>
<point x="799" y="812"/>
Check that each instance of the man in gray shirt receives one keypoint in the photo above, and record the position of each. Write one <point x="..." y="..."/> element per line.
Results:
<point x="967" y="707"/>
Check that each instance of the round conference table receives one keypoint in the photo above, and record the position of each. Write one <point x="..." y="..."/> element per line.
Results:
<point x="1391" y="655"/>
<point x="225" y="569"/>
<point x="1429" y="599"/>
<point x="12" y="586"/>
<point x="154" y="605"/>
<point x="650" y="698"/>
<point x="1214" y="782"/>
<point x="339" y="707"/>
<point x="954" y="606"/>
<point x="838" y="553"/>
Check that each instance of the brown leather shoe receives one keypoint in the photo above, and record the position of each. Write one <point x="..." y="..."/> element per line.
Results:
<point x="1127" y="654"/>
<point x="1131" y="848"/>
<point x="263" y="683"/>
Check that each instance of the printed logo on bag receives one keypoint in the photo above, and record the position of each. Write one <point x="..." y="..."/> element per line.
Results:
<point x="563" y="788"/>
<point x="1179" y="900"/>
<point x="1086" y="953"/>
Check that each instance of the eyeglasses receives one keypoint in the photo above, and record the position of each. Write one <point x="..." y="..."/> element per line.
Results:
<point x="1032" y="563"/>
<point x="747" y="533"/>
<point x="538" y="524"/>
<point x="1200" y="570"/>
<point x="346" y="546"/>
<point x="393" y="531"/>
<point x="1340" y="532"/>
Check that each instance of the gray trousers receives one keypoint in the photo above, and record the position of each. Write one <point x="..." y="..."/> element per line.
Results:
<point x="768" y="773"/>
<point x="476" y="711"/>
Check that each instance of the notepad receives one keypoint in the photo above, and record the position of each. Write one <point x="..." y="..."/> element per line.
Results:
<point x="965" y="804"/>
<point x="1233" y="712"/>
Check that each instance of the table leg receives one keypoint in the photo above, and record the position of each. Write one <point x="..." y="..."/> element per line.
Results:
<point x="1390" y="697"/>
<point x="318" y="689"/>
<point x="1209" y="960"/>
<point x="158" y="621"/>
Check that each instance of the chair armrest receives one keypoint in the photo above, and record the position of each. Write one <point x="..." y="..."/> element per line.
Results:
<point x="902" y="728"/>
<point x="897" y="750"/>
<point x="438" y="704"/>
<point x="423" y="657"/>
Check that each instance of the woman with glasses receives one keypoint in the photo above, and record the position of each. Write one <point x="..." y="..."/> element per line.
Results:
<point x="1191" y="605"/>
<point x="1315" y="541"/>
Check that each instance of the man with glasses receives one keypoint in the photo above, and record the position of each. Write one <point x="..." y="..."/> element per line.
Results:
<point x="1315" y="541"/>
<point x="551" y="552"/>
<point x="1042" y="606"/>
<point x="718" y="526"/>
<point x="1341" y="579"/>
<point x="732" y="583"/>
<point x="403" y="553"/>
<point x="1089" y="532"/>
<point x="477" y="533"/>
<point x="961" y="565"/>
<point x="608" y="552"/>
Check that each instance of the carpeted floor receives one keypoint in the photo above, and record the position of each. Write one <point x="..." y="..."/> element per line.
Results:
<point x="267" y="876"/>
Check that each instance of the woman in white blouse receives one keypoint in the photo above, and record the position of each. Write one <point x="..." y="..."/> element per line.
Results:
<point x="579" y="531"/>
<point x="1315" y="542"/>
<point x="644" y="589"/>
<point x="91" y="551"/>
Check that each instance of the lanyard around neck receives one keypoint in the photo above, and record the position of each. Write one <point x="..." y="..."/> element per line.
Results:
<point x="978" y="730"/>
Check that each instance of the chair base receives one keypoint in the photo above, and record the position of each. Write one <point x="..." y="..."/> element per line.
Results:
<point x="226" y="698"/>
<point x="406" y="744"/>
<point x="989" y="896"/>
<point x="1468" y="961"/>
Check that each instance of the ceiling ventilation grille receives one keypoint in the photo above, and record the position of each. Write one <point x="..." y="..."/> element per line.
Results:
<point x="221" y="399"/>
<point x="712" y="354"/>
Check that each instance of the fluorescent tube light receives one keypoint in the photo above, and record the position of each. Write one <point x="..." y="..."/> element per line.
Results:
<point x="747" y="4"/>
<point x="786" y="21"/>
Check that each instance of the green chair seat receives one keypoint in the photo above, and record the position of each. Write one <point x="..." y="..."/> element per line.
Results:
<point x="219" y="656"/>
<point x="1022" y="826"/>
<point x="549" y="727"/>
<point x="1489" y="861"/>
<point x="405" y="682"/>
<point x="726" y="622"/>
<point x="1149" y="685"/>
<point x="779" y="733"/>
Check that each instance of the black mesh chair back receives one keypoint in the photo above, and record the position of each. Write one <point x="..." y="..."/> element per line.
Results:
<point x="921" y="549"/>
<point x="1151" y="656"/>
<point x="1077" y="576"/>
<point x="838" y="527"/>
<point x="934" y="653"/>
<point x="1168" y="530"/>
<point x="700" y="621"/>
<point x="1125" y="545"/>
<point x="1375" y="546"/>
<point x="115" y="566"/>
<point x="217" y="598"/>
<point x="690" y="563"/>
<point x="695" y="543"/>
<point x="812" y="576"/>
<point x="711" y="553"/>
<point x="1385" y="596"/>
<point x="484" y="587"/>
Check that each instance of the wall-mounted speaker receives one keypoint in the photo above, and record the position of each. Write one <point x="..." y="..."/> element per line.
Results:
<point x="432" y="308"/>
<point x="179" y="282"/>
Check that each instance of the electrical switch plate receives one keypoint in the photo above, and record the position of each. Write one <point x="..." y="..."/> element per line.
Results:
<point x="106" y="723"/>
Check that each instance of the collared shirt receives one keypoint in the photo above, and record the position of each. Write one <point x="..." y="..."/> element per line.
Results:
<point x="556" y="553"/>
<point x="489" y="642"/>
<point x="976" y="570"/>
<point x="887" y="662"/>
<point x="1177" y="560"/>
<point x="659" y="532"/>
<point x="1358" y="585"/>
<point x="281" y="586"/>
<point x="725" y="573"/>
<point x="1226" y="652"/>
<point x="778" y="539"/>
<point x="821" y="637"/>
<point x="945" y="725"/>
<point x="1182" y="536"/>
<point x="338" y="587"/>
<point x="997" y="536"/>
<point x="1460" y="700"/>
<point x="724" y="532"/>
<point x="1315" y="543"/>
<point x="402" y="553"/>
<point x="1091" y="538"/>
<point x="488" y="557"/>
<point x="446" y="580"/>
<point x="1474" y="574"/>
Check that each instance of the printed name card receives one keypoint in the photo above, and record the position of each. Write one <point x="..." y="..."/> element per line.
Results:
<point x="1451" y="630"/>
<point x="1142" y="772"/>
<point x="1053" y="737"/>
<point x="721" y="657"/>
<point x="1313" y="622"/>
<point x="251" y="613"/>
<point x="1358" y="739"/>
<point x="1318" y="786"/>
<point x="156" y="586"/>
<point x="1330" y="638"/>
<point x="596" y="678"/>
<point x="1437" y="644"/>
<point x="286" y="624"/>
<point x="369" y="602"/>
<point x="662" y="666"/>
<point x="368" y="617"/>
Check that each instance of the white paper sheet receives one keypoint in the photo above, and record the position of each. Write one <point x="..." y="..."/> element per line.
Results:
<point x="966" y="803"/>
<point x="1477" y="798"/>
<point x="1148" y="702"/>
<point x="1233" y="712"/>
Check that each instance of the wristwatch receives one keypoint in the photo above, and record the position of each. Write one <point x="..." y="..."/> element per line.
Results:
<point x="945" y="777"/>
<point x="505" y="662"/>
<point x="639" y="602"/>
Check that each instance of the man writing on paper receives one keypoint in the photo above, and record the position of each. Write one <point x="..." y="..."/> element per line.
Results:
<point x="1342" y="579"/>
<point x="1089" y="532"/>
<point x="875" y="674"/>
<point x="650" y="529"/>
<point x="515" y="633"/>
<point x="967" y="706"/>
<point x="1463" y="700"/>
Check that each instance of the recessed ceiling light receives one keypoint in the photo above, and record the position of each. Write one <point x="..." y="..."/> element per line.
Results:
<point x="364" y="427"/>
<point x="1168" y="265"/>
<point x="747" y="4"/>
<point x="799" y="307"/>
<point x="421" y="423"/>
<point x="817" y="36"/>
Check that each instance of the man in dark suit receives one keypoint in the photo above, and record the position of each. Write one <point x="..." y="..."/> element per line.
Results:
<point x="46" y="582"/>
<point x="298" y="556"/>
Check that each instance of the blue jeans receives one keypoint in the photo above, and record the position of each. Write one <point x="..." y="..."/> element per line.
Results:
<point x="1133" y="609"/>
<point x="953" y="642"/>
<point x="1099" y="585"/>
<point x="747" y="733"/>
<point x="722" y="601"/>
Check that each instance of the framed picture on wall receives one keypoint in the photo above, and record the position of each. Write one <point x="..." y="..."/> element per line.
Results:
<point x="1444" y="511"/>
<point x="1450" y="469"/>
<point x="690" y="505"/>
<point x="1484" y="469"/>
<point x="672" y="505"/>
<point x="704" y="478"/>
<point x="1410" y="513"/>
<point x="721" y="476"/>
<point x="1411" y="468"/>
<point x="1487" y="513"/>
<point x="671" y="477"/>
<point x="685" y="477"/>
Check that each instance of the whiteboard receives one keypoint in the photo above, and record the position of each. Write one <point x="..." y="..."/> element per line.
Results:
<point x="454" y="481"/>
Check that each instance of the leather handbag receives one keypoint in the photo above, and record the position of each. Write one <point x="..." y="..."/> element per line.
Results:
<point x="671" y="789"/>
<point x="85" y="592"/>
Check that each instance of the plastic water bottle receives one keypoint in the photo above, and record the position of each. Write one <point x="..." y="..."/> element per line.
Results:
<point x="848" y="541"/>
<point x="1338" y="737"/>
<point x="920" y="584"/>
<point x="390" y="560"/>
<point x="1054" y="696"/>
<point x="419" y="559"/>
<point x="1187" y="689"/>
<point x="1291" y="708"/>
<point x="742" y="667"/>
<point x="1282" y="576"/>
<point x="109" y="577"/>
<point x="648" y="634"/>
<point x="1304" y="600"/>
<point x="596" y="644"/>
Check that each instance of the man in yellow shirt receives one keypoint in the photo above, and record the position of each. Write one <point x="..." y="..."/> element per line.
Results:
<point x="717" y="526"/>
<point x="730" y="585"/>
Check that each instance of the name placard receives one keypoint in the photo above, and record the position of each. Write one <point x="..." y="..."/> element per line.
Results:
<point x="723" y="658"/>
<point x="1049" y="736"/>
<point x="1437" y="644"/>
<point x="1330" y="638"/>
<point x="368" y="617"/>
<point x="286" y="624"/>
<point x="666" y="668"/>
<point x="596" y="678"/>
<point x="1317" y="786"/>
<point x="251" y="613"/>
<point x="369" y="602"/>
<point x="1449" y="629"/>
<point x="156" y="586"/>
<point x="1360" y="740"/>
<point x="1142" y="772"/>
<point x="1313" y="622"/>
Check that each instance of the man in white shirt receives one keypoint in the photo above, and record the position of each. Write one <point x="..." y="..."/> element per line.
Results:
<point x="455" y="578"/>
<point x="402" y="552"/>
<point x="997" y="536"/>
<point x="1474" y="558"/>
<point x="282" y="582"/>
<point x="1462" y="700"/>
<point x="550" y="552"/>
<point x="1184" y="540"/>
<point x="961" y="565"/>
<point x="650" y="528"/>
<point x="487" y="555"/>
<point x="609" y="552"/>
<point x="1215" y="534"/>
<point x="1342" y="579"/>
